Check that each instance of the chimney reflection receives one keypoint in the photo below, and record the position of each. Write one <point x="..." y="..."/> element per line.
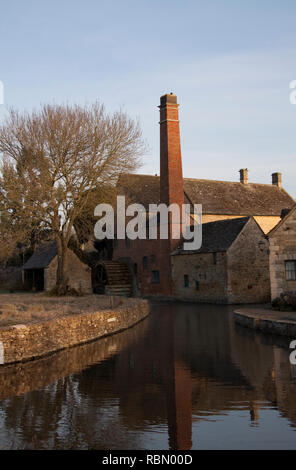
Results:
<point x="178" y="386"/>
<point x="179" y="409"/>
<point x="154" y="384"/>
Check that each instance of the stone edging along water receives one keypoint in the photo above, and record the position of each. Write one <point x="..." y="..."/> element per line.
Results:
<point x="258" y="320"/>
<point x="26" y="342"/>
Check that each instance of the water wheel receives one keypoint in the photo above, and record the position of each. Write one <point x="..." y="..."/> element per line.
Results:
<point x="113" y="278"/>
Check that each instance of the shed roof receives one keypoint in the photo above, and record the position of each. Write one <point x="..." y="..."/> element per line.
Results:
<point x="219" y="236"/>
<point x="42" y="257"/>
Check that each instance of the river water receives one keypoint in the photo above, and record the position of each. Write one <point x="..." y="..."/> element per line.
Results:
<point x="184" y="378"/>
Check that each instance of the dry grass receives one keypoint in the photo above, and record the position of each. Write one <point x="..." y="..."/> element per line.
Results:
<point x="31" y="308"/>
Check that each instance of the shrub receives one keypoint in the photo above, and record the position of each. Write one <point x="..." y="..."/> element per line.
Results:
<point x="58" y="292"/>
<point x="285" y="302"/>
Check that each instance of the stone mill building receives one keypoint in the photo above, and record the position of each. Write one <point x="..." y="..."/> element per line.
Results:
<point x="232" y="266"/>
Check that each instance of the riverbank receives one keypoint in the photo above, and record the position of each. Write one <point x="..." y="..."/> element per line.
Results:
<point x="267" y="321"/>
<point x="62" y="323"/>
<point x="23" y="377"/>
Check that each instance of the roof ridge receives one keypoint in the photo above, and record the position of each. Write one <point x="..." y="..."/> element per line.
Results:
<point x="214" y="181"/>
<point x="236" y="182"/>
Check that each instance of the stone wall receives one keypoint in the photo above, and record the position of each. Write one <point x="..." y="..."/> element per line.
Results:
<point x="274" y="326"/>
<point x="206" y="273"/>
<point x="24" y="342"/>
<point x="282" y="248"/>
<point x="79" y="274"/>
<point x="11" y="278"/>
<point x="23" y="377"/>
<point x="248" y="267"/>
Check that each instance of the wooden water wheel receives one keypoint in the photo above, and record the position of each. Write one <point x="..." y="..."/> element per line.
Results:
<point x="113" y="278"/>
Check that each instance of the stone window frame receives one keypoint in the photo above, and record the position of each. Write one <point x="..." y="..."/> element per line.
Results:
<point x="145" y="262"/>
<point x="290" y="273"/>
<point x="155" y="277"/>
<point x="186" y="281"/>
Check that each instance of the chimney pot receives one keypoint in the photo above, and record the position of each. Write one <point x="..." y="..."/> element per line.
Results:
<point x="277" y="179"/>
<point x="243" y="175"/>
<point x="168" y="99"/>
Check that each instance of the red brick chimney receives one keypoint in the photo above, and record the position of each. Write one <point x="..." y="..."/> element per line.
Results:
<point x="171" y="176"/>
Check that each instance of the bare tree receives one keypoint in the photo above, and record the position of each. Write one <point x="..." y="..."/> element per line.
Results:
<point x="55" y="161"/>
<point x="11" y="233"/>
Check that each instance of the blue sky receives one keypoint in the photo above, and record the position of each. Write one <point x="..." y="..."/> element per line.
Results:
<point x="229" y="62"/>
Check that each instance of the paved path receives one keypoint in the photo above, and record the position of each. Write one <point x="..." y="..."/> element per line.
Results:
<point x="267" y="320"/>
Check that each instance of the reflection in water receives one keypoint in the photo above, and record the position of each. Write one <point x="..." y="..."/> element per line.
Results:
<point x="186" y="377"/>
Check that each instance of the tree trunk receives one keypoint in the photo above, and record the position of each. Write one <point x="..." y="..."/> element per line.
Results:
<point x="62" y="270"/>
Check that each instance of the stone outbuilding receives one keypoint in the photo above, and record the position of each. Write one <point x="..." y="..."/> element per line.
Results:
<point x="282" y="258"/>
<point x="231" y="267"/>
<point x="40" y="271"/>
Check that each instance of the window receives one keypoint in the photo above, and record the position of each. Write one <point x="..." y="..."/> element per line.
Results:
<point x="115" y="242"/>
<point x="155" y="277"/>
<point x="290" y="270"/>
<point x="131" y="361"/>
<point x="145" y="262"/>
<point x="186" y="280"/>
<point x="127" y="242"/>
<point x="196" y="285"/>
<point x="215" y="258"/>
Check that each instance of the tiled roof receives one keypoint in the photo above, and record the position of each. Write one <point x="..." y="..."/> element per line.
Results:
<point x="218" y="236"/>
<point x="216" y="197"/>
<point x="42" y="257"/>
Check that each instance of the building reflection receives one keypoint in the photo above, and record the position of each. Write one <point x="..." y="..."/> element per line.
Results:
<point x="183" y="364"/>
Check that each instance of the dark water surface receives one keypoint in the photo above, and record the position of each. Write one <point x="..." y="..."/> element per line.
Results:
<point x="186" y="377"/>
